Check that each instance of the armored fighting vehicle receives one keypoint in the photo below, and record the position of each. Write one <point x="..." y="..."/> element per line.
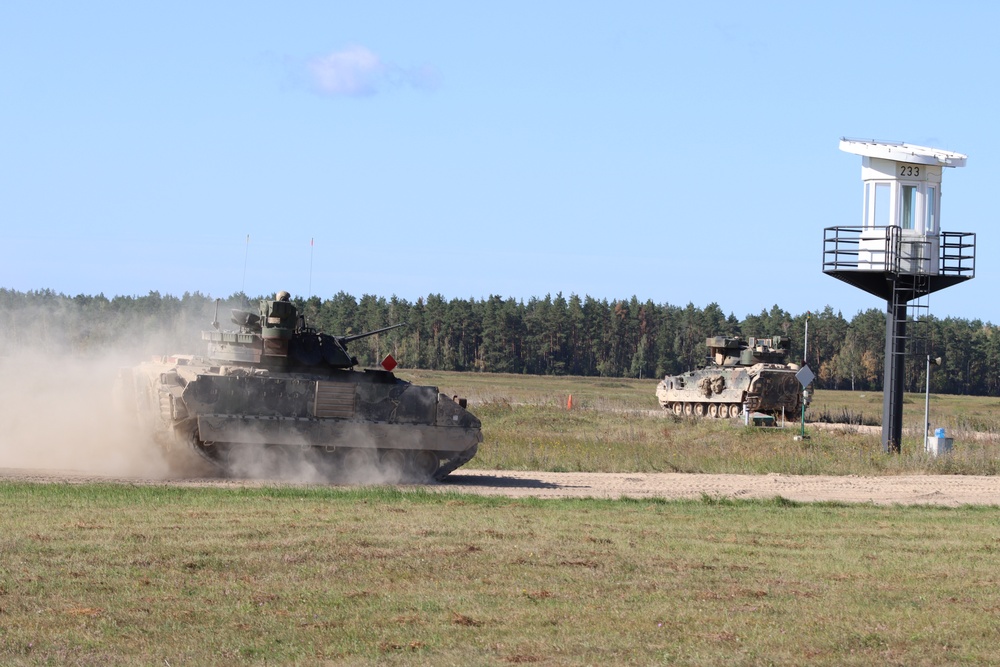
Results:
<point x="741" y="374"/>
<point x="275" y="396"/>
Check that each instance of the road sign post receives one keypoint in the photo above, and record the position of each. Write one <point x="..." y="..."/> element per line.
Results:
<point x="805" y="376"/>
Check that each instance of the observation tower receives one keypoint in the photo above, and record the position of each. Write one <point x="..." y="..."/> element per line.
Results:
<point x="899" y="252"/>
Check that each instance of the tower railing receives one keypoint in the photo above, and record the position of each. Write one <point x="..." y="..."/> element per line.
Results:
<point x="841" y="248"/>
<point x="884" y="251"/>
<point x="958" y="254"/>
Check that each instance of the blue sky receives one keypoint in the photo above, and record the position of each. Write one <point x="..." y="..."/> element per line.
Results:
<point x="680" y="152"/>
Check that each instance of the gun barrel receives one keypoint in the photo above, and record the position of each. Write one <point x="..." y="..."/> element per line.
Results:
<point x="348" y="339"/>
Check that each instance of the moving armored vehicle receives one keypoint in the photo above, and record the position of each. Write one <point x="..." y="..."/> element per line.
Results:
<point x="275" y="397"/>
<point x="741" y="375"/>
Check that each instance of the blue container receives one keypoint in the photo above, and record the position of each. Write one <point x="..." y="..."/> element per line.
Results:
<point x="939" y="433"/>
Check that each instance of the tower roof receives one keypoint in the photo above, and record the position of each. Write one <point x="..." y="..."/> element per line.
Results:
<point x="900" y="152"/>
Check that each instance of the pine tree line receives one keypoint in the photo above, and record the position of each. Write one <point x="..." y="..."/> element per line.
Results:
<point x="550" y="335"/>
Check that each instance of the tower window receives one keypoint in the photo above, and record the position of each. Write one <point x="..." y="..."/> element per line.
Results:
<point x="881" y="207"/>
<point x="909" y="208"/>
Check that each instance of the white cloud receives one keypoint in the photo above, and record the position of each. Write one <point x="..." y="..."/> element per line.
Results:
<point x="355" y="71"/>
<point x="358" y="72"/>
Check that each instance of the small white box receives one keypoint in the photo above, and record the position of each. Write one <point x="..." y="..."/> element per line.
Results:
<point x="938" y="446"/>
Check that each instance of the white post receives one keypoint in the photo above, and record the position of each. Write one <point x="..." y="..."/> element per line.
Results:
<point x="927" y="403"/>
<point x="805" y="343"/>
<point x="805" y="362"/>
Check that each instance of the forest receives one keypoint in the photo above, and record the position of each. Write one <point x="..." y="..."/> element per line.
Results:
<point x="551" y="335"/>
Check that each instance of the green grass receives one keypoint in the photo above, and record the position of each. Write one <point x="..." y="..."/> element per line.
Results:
<point x="122" y="575"/>
<point x="616" y="425"/>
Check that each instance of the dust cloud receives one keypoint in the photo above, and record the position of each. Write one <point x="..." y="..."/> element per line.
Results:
<point x="300" y="463"/>
<point x="304" y="465"/>
<point x="59" y="414"/>
<point x="57" y="380"/>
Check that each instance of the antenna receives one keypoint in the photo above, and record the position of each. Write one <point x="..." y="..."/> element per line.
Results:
<point x="246" y="256"/>
<point x="310" y="292"/>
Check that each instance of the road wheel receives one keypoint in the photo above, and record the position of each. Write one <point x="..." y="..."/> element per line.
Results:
<point x="423" y="465"/>
<point x="699" y="409"/>
<point x="394" y="464"/>
<point x="360" y="464"/>
<point x="678" y="409"/>
<point x="688" y="409"/>
<point x="734" y="410"/>
<point x="713" y="410"/>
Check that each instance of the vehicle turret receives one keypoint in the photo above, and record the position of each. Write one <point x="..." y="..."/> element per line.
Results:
<point x="276" y="337"/>
<point x="734" y="351"/>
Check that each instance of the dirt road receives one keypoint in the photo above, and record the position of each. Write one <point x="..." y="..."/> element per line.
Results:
<point x="947" y="490"/>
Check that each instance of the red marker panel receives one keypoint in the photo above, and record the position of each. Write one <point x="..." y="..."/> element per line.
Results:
<point x="388" y="363"/>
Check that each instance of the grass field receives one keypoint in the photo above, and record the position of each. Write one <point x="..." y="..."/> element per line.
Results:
<point x="616" y="425"/>
<point x="102" y="575"/>
<point x="123" y="575"/>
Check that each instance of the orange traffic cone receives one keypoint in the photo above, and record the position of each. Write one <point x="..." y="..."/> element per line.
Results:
<point x="569" y="402"/>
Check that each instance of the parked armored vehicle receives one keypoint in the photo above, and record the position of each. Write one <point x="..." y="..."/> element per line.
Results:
<point x="274" y="394"/>
<point x="741" y="374"/>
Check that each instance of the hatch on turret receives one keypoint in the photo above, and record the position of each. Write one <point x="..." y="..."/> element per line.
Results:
<point x="278" y="321"/>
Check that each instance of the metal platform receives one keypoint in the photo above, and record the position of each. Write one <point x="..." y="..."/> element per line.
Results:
<point x="890" y="274"/>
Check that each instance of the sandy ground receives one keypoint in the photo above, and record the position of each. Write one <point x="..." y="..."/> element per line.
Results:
<point x="950" y="490"/>
<point x="946" y="490"/>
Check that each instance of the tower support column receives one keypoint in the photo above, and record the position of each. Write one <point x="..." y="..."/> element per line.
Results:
<point x="892" y="385"/>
